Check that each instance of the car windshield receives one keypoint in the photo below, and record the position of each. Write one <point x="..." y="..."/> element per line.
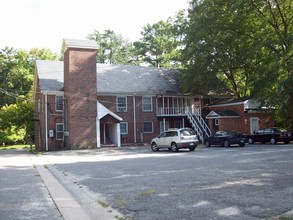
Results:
<point x="187" y="132"/>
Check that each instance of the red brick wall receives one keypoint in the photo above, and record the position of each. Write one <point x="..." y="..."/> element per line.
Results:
<point x="80" y="86"/>
<point x="140" y="117"/>
<point x="241" y="124"/>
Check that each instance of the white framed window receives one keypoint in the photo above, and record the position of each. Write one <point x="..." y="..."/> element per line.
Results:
<point x="216" y="121"/>
<point x="59" y="131"/>
<point x="148" y="127"/>
<point x="59" y="103"/>
<point x="39" y="105"/>
<point x="123" y="128"/>
<point x="147" y="104"/>
<point x="121" y="103"/>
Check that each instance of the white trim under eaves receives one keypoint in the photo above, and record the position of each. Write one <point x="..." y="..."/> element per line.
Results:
<point x="59" y="93"/>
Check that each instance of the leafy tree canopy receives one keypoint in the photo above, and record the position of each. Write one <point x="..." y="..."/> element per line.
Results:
<point x="244" y="47"/>
<point x="113" y="48"/>
<point x="159" y="45"/>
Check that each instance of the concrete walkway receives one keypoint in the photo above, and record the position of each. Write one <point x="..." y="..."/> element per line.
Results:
<point x="63" y="198"/>
<point x="72" y="202"/>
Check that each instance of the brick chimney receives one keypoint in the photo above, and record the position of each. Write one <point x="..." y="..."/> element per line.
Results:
<point x="80" y="89"/>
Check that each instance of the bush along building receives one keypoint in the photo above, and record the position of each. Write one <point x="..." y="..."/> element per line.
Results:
<point x="80" y="104"/>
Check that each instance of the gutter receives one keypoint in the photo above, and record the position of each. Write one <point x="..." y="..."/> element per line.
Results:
<point x="46" y="119"/>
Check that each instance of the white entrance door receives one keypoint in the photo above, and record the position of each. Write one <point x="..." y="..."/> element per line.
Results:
<point x="254" y="126"/>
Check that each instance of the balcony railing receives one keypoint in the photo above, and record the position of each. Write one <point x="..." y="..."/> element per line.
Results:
<point x="176" y="111"/>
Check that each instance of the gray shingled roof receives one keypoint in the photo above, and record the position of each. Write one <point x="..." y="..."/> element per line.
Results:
<point x="115" y="79"/>
<point x="50" y="74"/>
<point x="222" y="114"/>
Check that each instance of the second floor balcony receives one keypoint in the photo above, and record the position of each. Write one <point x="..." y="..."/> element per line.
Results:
<point x="177" y="111"/>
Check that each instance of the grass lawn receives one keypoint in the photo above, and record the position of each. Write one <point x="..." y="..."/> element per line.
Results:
<point x="20" y="146"/>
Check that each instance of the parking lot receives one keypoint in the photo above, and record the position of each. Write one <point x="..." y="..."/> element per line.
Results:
<point x="251" y="182"/>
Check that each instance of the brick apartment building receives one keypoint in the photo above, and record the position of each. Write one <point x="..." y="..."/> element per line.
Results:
<point x="81" y="104"/>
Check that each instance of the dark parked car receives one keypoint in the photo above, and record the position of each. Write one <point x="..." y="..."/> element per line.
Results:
<point x="272" y="135"/>
<point x="226" y="139"/>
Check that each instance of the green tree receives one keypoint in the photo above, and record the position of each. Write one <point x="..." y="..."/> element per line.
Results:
<point x="16" y="106"/>
<point x="245" y="46"/>
<point x="216" y="52"/>
<point x="17" y="71"/>
<point x="113" y="48"/>
<point x="16" y="120"/>
<point x="273" y="22"/>
<point x="159" y="45"/>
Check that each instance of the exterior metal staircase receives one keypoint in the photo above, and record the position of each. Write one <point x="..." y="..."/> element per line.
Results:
<point x="199" y="125"/>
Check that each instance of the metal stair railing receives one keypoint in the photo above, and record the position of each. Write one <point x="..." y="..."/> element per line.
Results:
<point x="203" y="124"/>
<point x="199" y="125"/>
<point x="195" y="126"/>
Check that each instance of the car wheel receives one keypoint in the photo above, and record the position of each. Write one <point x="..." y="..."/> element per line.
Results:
<point x="207" y="144"/>
<point x="174" y="147"/>
<point x="226" y="143"/>
<point x="286" y="142"/>
<point x="192" y="148"/>
<point x="242" y="144"/>
<point x="250" y="141"/>
<point x="273" y="141"/>
<point x="154" y="147"/>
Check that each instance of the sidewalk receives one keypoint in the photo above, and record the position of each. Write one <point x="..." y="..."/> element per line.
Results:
<point x="72" y="202"/>
<point x="31" y="188"/>
<point x="22" y="192"/>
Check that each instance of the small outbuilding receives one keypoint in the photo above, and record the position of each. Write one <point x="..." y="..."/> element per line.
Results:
<point x="243" y="115"/>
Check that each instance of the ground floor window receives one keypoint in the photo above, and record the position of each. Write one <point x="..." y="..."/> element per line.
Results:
<point x="123" y="128"/>
<point x="148" y="127"/>
<point x="59" y="131"/>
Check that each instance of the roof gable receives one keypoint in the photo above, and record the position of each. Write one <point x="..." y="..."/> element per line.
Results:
<point x="222" y="114"/>
<point x="103" y="111"/>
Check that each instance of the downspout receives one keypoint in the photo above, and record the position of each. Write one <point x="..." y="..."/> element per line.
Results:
<point x="46" y="119"/>
<point x="134" y="118"/>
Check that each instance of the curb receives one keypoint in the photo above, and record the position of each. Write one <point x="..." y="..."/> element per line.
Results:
<point x="72" y="202"/>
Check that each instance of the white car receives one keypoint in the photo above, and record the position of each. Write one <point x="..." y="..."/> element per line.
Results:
<point x="175" y="139"/>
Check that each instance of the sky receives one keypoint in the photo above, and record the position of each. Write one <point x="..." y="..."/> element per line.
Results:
<point x="27" y="24"/>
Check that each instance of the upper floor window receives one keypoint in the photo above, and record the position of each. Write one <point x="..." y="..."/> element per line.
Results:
<point x="147" y="104"/>
<point x="59" y="103"/>
<point x="121" y="104"/>
<point x="123" y="128"/>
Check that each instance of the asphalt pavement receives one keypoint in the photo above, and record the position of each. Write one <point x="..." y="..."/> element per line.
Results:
<point x="73" y="184"/>
<point x="31" y="188"/>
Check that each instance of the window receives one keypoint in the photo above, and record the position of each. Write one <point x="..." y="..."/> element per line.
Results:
<point x="148" y="127"/>
<point x="123" y="128"/>
<point x="121" y="104"/>
<point x="59" y="103"/>
<point x="216" y="122"/>
<point x="39" y="105"/>
<point x="147" y="104"/>
<point x="59" y="131"/>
